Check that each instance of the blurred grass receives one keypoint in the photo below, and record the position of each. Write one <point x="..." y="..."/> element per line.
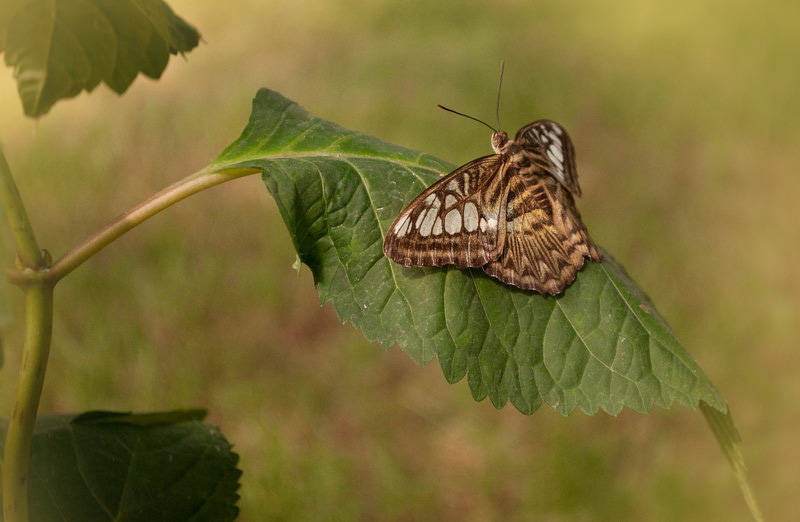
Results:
<point x="685" y="119"/>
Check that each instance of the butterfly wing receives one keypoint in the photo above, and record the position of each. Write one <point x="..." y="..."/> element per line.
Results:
<point x="545" y="241"/>
<point x="553" y="142"/>
<point x="456" y="221"/>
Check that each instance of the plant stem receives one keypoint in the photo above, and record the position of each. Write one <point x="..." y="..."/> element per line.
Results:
<point x="172" y="194"/>
<point x="39" y="314"/>
<point x="27" y="247"/>
<point x="16" y="457"/>
<point x="37" y="280"/>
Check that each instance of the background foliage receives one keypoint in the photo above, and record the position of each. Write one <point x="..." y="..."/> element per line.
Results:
<point x="685" y="122"/>
<point x="113" y="466"/>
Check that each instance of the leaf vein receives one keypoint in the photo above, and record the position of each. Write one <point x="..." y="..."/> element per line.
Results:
<point x="627" y="304"/>
<point x="380" y="229"/>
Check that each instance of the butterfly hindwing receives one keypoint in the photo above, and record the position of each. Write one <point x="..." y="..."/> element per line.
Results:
<point x="545" y="241"/>
<point x="457" y="220"/>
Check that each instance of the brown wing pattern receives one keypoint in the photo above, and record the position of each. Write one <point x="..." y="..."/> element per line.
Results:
<point x="456" y="221"/>
<point x="512" y="214"/>
<point x="545" y="241"/>
<point x="554" y="144"/>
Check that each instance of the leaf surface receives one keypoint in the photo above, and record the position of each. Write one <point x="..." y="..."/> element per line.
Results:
<point x="103" y="466"/>
<point x="599" y="345"/>
<point x="60" y="47"/>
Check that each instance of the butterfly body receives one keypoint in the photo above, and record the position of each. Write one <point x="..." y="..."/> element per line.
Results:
<point x="511" y="214"/>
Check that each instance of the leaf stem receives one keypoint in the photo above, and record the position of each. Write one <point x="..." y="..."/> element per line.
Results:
<point x="16" y="457"/>
<point x="151" y="206"/>
<point x="727" y="435"/>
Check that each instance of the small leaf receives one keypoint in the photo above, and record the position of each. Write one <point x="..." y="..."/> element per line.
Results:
<point x="103" y="466"/>
<point x="601" y="344"/>
<point x="59" y="48"/>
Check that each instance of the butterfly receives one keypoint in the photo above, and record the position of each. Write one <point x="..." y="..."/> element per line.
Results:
<point x="511" y="213"/>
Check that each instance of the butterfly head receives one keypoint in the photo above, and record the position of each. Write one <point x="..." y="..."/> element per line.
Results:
<point x="499" y="141"/>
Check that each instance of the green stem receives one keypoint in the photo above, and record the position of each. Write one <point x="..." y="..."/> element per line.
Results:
<point x="38" y="329"/>
<point x="38" y="280"/>
<point x="725" y="431"/>
<point x="39" y="313"/>
<point x="179" y="190"/>
<point x="27" y="247"/>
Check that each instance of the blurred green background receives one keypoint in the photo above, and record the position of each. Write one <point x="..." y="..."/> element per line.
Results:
<point x="685" y="118"/>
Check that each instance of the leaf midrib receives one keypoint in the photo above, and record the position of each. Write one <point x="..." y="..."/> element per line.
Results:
<point x="246" y="159"/>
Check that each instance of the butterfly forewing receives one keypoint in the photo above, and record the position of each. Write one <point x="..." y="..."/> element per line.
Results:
<point x="555" y="147"/>
<point x="456" y="221"/>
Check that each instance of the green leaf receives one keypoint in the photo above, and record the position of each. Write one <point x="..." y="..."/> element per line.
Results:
<point x="601" y="344"/>
<point x="59" y="48"/>
<point x="104" y="466"/>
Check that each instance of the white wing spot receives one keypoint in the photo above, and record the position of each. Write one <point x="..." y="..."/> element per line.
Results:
<point x="419" y="219"/>
<point x="430" y="216"/>
<point x="483" y="225"/>
<point x="400" y="228"/>
<point x="430" y="199"/>
<point x="427" y="224"/>
<point x="437" y="227"/>
<point x="452" y="186"/>
<point x="470" y="217"/>
<point x="466" y="183"/>
<point x="559" y="165"/>
<point x="555" y="150"/>
<point x="449" y="201"/>
<point x="491" y="222"/>
<point x="452" y="222"/>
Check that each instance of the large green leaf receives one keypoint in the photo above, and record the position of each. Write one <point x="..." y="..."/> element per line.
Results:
<point x="103" y="466"/>
<point x="601" y="344"/>
<point x="60" y="47"/>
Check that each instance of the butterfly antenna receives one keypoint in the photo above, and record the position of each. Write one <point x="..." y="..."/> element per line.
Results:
<point x="499" y="86"/>
<point x="466" y="116"/>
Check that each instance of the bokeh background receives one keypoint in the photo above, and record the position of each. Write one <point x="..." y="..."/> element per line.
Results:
<point x="686" y="121"/>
